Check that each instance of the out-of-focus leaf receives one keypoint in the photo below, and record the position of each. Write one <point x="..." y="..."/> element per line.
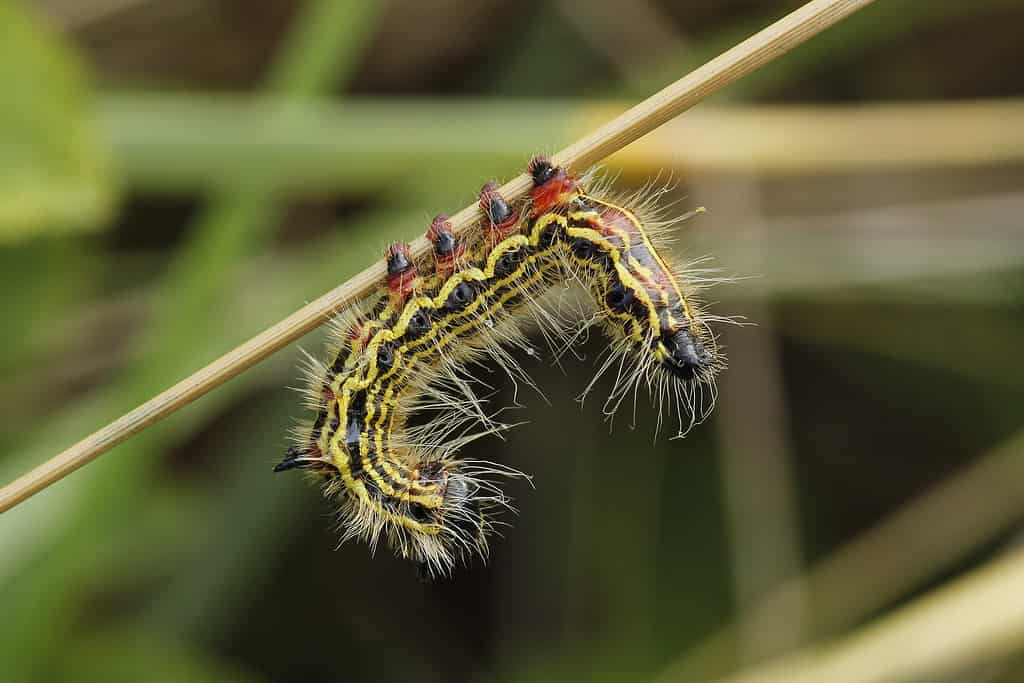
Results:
<point x="54" y="170"/>
<point x="41" y="279"/>
<point x="862" y="31"/>
<point x="137" y="656"/>
<point x="30" y="528"/>
<point x="182" y="143"/>
<point x="196" y="284"/>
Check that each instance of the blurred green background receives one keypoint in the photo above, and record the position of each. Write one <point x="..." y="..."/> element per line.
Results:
<point x="177" y="176"/>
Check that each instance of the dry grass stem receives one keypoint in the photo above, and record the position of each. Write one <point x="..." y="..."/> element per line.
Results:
<point x="970" y="622"/>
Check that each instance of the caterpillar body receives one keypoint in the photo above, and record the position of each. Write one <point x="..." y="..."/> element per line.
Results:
<point x="407" y="351"/>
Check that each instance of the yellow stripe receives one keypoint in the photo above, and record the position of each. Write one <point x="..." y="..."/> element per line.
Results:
<point x="382" y="397"/>
<point x="687" y="309"/>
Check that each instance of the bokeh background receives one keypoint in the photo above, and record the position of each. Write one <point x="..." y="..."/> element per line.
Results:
<point x="177" y="176"/>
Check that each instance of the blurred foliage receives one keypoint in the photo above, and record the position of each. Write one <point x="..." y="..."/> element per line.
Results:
<point x="891" y="303"/>
<point x="54" y="168"/>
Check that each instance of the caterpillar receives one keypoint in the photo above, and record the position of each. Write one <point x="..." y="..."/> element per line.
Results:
<point x="409" y="350"/>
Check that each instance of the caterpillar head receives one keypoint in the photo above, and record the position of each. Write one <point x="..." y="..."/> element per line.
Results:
<point x="684" y="354"/>
<point x="656" y="321"/>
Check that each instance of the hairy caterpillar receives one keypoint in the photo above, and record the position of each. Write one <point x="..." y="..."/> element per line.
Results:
<point x="407" y="350"/>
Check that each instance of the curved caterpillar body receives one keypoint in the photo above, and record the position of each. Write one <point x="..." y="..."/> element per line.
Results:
<point x="407" y="351"/>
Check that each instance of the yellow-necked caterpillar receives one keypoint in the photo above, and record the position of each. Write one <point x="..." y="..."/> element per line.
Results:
<point x="407" y="350"/>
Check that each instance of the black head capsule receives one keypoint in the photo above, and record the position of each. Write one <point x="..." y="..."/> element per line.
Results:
<point x="686" y="356"/>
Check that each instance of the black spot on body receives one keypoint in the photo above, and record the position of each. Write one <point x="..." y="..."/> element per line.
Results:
<point x="582" y="248"/>
<point x="548" y="236"/>
<point x="460" y="296"/>
<point x="385" y="356"/>
<point x="619" y="298"/>
<point x="508" y="261"/>
<point x="374" y="492"/>
<point x="419" y="323"/>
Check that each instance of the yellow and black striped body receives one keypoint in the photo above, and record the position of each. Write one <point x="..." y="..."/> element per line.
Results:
<point x="431" y="321"/>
